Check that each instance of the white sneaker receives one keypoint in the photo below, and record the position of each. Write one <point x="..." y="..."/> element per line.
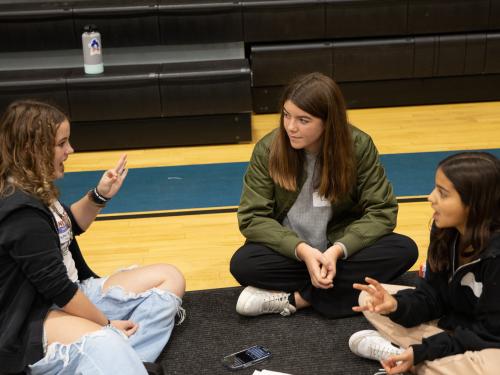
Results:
<point x="254" y="301"/>
<point x="370" y="344"/>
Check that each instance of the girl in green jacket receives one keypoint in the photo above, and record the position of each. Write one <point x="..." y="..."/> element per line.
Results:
<point x="316" y="209"/>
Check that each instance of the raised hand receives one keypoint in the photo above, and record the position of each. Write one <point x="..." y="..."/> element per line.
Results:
<point x="111" y="181"/>
<point x="379" y="300"/>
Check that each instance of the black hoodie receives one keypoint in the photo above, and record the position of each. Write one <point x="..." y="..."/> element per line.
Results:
<point x="467" y="301"/>
<point x="33" y="277"/>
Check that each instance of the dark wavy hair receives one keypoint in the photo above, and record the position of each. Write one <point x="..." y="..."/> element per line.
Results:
<point x="476" y="178"/>
<point x="319" y="96"/>
<point x="28" y="131"/>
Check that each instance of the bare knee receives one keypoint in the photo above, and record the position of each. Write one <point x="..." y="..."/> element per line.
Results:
<point x="141" y="279"/>
<point x="173" y="279"/>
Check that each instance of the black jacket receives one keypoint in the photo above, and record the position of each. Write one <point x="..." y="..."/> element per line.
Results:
<point x="33" y="277"/>
<point x="467" y="301"/>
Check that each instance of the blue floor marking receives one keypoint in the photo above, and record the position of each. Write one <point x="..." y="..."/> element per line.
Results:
<point x="165" y="188"/>
<point x="219" y="185"/>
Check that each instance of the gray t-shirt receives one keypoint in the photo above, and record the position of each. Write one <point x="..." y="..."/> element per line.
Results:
<point x="310" y="213"/>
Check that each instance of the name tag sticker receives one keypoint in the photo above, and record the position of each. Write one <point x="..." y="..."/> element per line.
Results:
<point x="320" y="201"/>
<point x="65" y="236"/>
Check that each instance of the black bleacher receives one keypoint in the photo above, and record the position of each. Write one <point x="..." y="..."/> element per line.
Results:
<point x="158" y="88"/>
<point x="388" y="52"/>
<point x="181" y="72"/>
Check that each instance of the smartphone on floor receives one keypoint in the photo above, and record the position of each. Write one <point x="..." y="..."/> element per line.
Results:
<point x="247" y="357"/>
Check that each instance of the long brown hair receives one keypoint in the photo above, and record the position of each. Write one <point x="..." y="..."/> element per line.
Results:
<point x="27" y="139"/>
<point x="319" y="96"/>
<point x="476" y="178"/>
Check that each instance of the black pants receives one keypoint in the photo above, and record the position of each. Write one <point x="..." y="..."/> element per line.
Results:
<point x="257" y="265"/>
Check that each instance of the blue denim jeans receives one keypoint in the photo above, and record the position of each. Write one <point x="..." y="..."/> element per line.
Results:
<point x="109" y="351"/>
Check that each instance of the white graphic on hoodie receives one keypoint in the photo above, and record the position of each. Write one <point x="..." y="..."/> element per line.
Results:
<point x="470" y="281"/>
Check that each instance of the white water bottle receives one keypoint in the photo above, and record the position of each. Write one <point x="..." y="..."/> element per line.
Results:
<point x="92" y="50"/>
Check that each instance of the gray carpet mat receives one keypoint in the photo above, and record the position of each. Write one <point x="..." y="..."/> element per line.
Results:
<point x="302" y="344"/>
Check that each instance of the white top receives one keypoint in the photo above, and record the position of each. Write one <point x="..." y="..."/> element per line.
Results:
<point x="65" y="237"/>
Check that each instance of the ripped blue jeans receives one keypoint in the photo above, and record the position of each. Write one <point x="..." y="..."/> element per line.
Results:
<point x="109" y="351"/>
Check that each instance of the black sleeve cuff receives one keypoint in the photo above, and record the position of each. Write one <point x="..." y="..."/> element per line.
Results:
<point x="419" y="353"/>
<point x="66" y="295"/>
<point x="400" y="312"/>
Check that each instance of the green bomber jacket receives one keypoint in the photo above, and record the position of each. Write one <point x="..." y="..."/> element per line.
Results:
<point x="359" y="219"/>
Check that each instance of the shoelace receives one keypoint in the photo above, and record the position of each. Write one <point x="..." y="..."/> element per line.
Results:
<point x="276" y="304"/>
<point x="382" y="351"/>
<point x="381" y="371"/>
<point x="286" y="312"/>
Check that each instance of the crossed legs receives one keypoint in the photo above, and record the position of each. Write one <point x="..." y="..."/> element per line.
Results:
<point x="149" y="295"/>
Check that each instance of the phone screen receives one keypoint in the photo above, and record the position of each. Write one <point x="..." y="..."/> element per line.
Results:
<point x="246" y="357"/>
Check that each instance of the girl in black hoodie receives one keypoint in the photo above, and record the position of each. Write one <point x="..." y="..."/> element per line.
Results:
<point x="56" y="315"/>
<point x="451" y="320"/>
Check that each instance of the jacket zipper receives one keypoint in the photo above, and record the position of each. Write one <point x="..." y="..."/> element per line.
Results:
<point x="463" y="265"/>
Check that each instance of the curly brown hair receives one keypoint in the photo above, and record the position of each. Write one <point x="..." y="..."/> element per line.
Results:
<point x="27" y="139"/>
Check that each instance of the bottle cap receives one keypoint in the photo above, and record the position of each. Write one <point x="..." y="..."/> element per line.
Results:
<point x="90" y="28"/>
